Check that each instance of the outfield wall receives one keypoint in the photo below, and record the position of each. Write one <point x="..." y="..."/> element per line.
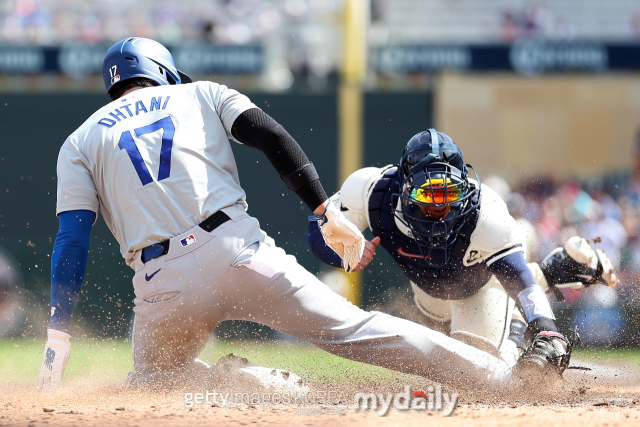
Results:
<point x="563" y="126"/>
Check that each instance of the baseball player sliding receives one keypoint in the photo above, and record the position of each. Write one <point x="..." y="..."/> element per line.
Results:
<point x="463" y="253"/>
<point x="157" y="163"/>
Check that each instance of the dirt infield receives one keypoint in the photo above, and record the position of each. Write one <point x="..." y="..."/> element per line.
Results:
<point x="606" y="396"/>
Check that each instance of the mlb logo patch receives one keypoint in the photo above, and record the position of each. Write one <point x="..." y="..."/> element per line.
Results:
<point x="188" y="240"/>
<point x="115" y="79"/>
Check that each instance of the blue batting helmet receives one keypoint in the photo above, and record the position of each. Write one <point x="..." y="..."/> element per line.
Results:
<point x="139" y="57"/>
<point x="435" y="193"/>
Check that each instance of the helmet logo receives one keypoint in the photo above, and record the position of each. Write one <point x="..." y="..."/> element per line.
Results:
<point x="473" y="257"/>
<point x="115" y="77"/>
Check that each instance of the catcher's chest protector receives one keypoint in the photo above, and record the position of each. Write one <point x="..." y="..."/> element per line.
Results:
<point x="452" y="282"/>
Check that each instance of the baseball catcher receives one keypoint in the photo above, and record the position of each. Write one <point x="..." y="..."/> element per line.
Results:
<point x="463" y="253"/>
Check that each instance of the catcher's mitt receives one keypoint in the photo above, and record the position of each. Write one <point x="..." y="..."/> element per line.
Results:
<point x="577" y="263"/>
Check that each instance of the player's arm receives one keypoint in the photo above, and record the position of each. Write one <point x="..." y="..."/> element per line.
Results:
<point x="77" y="207"/>
<point x="495" y="242"/>
<point x="255" y="128"/>
<point x="517" y="279"/>
<point x="249" y="125"/>
<point x="68" y="265"/>
<point x="549" y="349"/>
<point x="352" y="199"/>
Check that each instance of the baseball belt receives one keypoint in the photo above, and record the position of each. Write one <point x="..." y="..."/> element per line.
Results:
<point x="162" y="248"/>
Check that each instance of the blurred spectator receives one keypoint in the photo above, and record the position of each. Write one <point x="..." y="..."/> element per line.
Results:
<point x="603" y="210"/>
<point x="635" y="25"/>
<point x="305" y="34"/>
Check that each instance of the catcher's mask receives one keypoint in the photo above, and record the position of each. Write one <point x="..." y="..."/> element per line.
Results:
<point x="435" y="194"/>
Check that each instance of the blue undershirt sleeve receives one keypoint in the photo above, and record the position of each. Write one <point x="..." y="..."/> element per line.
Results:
<point x="513" y="273"/>
<point x="68" y="265"/>
<point x="319" y="248"/>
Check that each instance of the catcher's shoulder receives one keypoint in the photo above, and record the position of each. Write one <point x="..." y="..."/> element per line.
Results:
<point x="356" y="188"/>
<point x="496" y="229"/>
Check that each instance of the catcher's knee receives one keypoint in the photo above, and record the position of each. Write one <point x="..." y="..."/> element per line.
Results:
<point x="483" y="320"/>
<point x="436" y="310"/>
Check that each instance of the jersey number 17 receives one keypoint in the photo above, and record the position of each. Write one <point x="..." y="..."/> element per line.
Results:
<point x="127" y="143"/>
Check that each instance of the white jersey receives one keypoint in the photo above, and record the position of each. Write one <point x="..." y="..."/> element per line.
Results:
<point x="495" y="230"/>
<point x="155" y="162"/>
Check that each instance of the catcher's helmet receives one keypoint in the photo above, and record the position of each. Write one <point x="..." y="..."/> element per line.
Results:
<point x="435" y="194"/>
<point x="139" y="57"/>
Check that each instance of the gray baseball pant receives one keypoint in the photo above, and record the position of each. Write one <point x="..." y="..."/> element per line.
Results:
<point x="236" y="272"/>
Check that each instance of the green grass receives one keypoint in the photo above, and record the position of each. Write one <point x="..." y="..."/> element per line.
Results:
<point x="605" y="356"/>
<point x="21" y="359"/>
<point x="110" y="359"/>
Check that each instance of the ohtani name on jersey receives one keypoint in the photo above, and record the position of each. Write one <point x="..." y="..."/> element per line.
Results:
<point x="119" y="113"/>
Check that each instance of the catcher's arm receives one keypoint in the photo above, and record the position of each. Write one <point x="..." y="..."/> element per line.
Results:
<point x="68" y="264"/>
<point x="575" y="266"/>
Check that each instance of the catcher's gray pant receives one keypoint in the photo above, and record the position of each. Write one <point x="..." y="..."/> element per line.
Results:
<point x="237" y="272"/>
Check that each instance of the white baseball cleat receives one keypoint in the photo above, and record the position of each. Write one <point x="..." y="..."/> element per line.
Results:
<point x="238" y="371"/>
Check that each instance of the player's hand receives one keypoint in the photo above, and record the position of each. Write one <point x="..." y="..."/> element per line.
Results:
<point x="578" y="262"/>
<point x="369" y="252"/>
<point x="56" y="356"/>
<point x="341" y="235"/>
